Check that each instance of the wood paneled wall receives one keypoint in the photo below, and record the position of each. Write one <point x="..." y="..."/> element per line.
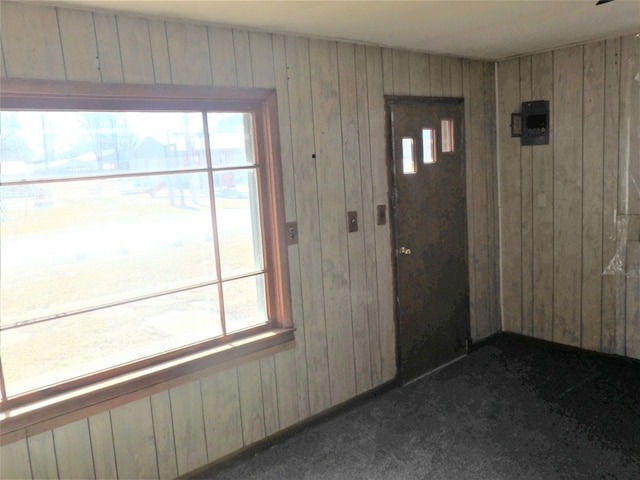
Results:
<point x="332" y="126"/>
<point x="558" y="202"/>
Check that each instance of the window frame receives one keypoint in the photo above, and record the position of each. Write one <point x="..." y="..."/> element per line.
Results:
<point x="22" y="412"/>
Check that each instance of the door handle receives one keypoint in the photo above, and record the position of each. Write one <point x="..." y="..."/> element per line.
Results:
<point x="405" y="251"/>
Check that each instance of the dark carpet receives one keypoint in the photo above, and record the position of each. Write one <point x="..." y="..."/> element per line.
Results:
<point x="515" y="408"/>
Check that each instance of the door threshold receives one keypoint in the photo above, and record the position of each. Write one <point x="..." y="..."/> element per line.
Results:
<point x="434" y="370"/>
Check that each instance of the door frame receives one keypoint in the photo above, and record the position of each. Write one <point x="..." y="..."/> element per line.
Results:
<point x="390" y="100"/>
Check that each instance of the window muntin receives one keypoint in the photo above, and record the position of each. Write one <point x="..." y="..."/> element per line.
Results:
<point x="142" y="226"/>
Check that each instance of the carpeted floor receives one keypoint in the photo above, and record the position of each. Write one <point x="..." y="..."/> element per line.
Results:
<point x="513" y="409"/>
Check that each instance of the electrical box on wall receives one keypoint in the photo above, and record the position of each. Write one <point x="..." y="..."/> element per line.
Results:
<point x="532" y="123"/>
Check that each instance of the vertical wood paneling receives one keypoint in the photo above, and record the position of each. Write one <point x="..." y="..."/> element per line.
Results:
<point x="287" y="388"/>
<point x="510" y="207"/>
<point x="163" y="434"/>
<point x="630" y="150"/>
<point x="73" y="450"/>
<point x="380" y="180"/>
<point x="269" y="395"/>
<point x="526" y="203"/>
<point x="251" y="402"/>
<point x="332" y="209"/>
<point x="159" y="51"/>
<point x="476" y="170"/>
<point x="435" y="75"/>
<point x="223" y="59"/>
<point x="243" y="57"/>
<point x="109" y="57"/>
<point x="446" y="76"/>
<point x="419" y="74"/>
<point x="401" y="75"/>
<point x="137" y="62"/>
<point x="288" y="179"/>
<point x="353" y="198"/>
<point x="104" y="459"/>
<point x="42" y="455"/>
<point x="456" y="77"/>
<point x="387" y="71"/>
<point x="31" y="41"/>
<point x="80" y="57"/>
<point x="542" y="171"/>
<point x="610" y="190"/>
<point x="188" y="426"/>
<point x="188" y="47"/>
<point x="135" y="448"/>
<point x="567" y="199"/>
<point x="14" y="460"/>
<point x="262" y="64"/>
<point x="303" y="148"/>
<point x="221" y="400"/>
<point x="371" y="281"/>
<point x="592" y="194"/>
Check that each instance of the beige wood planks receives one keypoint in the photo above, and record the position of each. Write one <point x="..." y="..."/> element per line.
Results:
<point x="288" y="180"/>
<point x="456" y="77"/>
<point x="353" y="199"/>
<point x="401" y="73"/>
<point x="332" y="213"/>
<point x="188" y="426"/>
<point x="387" y="71"/>
<point x="526" y="203"/>
<point x="159" y="51"/>
<point x="109" y="57"/>
<point x="80" y="57"/>
<point x="242" y="53"/>
<point x="592" y="194"/>
<point x="221" y="400"/>
<point x="163" y="433"/>
<point x="567" y="200"/>
<point x="104" y="459"/>
<point x="137" y="61"/>
<point x="364" y="147"/>
<point x="14" y="460"/>
<point x="510" y="190"/>
<point x="380" y="180"/>
<point x="476" y="171"/>
<point x="223" y="59"/>
<point x="542" y="171"/>
<point x="269" y="395"/>
<point x="73" y="450"/>
<point x="311" y="282"/>
<point x="134" y="441"/>
<point x="419" y="74"/>
<point x="287" y="388"/>
<point x="435" y="76"/>
<point x="610" y="191"/>
<point x="262" y="63"/>
<point x="31" y="41"/>
<point x="251" y="402"/>
<point x="188" y="47"/>
<point x="42" y="455"/>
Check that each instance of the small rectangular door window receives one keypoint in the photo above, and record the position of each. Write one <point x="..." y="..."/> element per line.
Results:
<point x="428" y="145"/>
<point x="408" y="155"/>
<point x="446" y="127"/>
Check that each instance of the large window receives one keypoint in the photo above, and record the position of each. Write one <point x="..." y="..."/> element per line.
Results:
<point x="133" y="231"/>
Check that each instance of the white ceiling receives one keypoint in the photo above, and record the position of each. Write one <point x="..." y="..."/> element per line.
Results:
<point x="478" y="29"/>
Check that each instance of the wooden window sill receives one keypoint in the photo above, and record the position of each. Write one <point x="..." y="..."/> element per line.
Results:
<point x="61" y="409"/>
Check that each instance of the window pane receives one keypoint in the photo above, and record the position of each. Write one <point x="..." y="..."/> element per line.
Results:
<point x="46" y="353"/>
<point x="446" y="127"/>
<point x="37" y="145"/>
<point x="231" y="139"/>
<point x="428" y="145"/>
<point x="238" y="217"/>
<point x="244" y="303"/>
<point x="408" y="155"/>
<point x="70" y="245"/>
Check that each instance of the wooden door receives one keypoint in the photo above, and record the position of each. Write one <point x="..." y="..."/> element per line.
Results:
<point x="430" y="223"/>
